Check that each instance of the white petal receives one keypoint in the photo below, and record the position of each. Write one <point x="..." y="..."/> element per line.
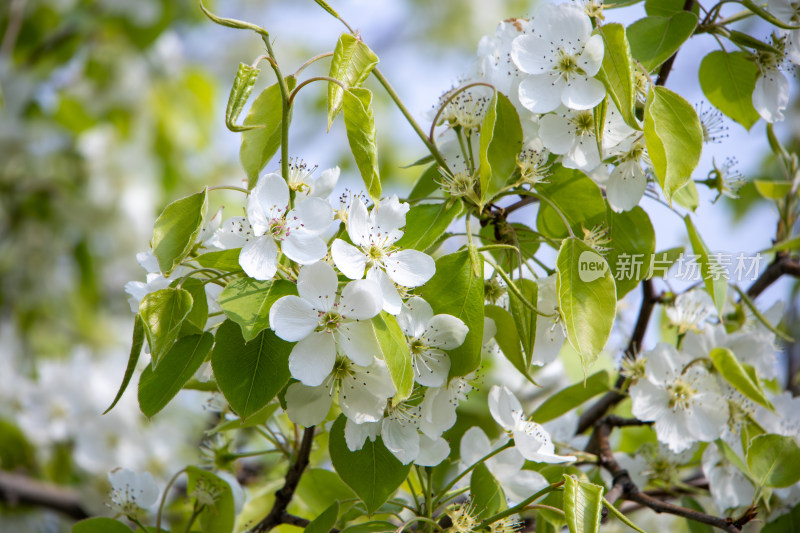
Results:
<point x="438" y="412"/>
<point x="474" y="445"/>
<point x="324" y="184"/>
<point x="506" y="463"/>
<point x="505" y="407"/>
<point x="357" y="341"/>
<point x="771" y="95"/>
<point x="358" y="225"/>
<point x="556" y="134"/>
<point x="304" y="248"/>
<point x="532" y="54"/>
<point x="431" y="368"/>
<point x="259" y="258"/>
<point x="392" y="302"/>
<point x="390" y="214"/>
<point x="401" y="439"/>
<point x="626" y="186"/>
<point x="414" y="316"/>
<point x="307" y="406"/>
<point x="562" y="23"/>
<point x="582" y="92"/>
<point x="410" y="268"/>
<point x="317" y="284"/>
<point x="583" y="155"/>
<point x="355" y="435"/>
<point x="234" y="233"/>
<point x="591" y="59"/>
<point x="269" y="199"/>
<point x="361" y="300"/>
<point x="541" y="93"/>
<point x="376" y="378"/>
<point x="534" y="443"/>
<point x="293" y="318"/>
<point x="522" y="485"/>
<point x="349" y="260"/>
<point x="313" y="214"/>
<point x="431" y="451"/>
<point x="312" y="358"/>
<point x="446" y="332"/>
<point x="358" y="403"/>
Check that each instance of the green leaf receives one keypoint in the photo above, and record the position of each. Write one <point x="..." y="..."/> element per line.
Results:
<point x="773" y="189"/>
<point x="257" y="419"/>
<point x="456" y="289"/>
<point x="360" y="124"/>
<point x="394" y="350"/>
<point x="324" y="522"/>
<point x="136" y="349"/>
<point x="221" y="516"/>
<point x="351" y="64"/>
<point x="249" y="374"/>
<point x="227" y="260"/>
<point x="176" y="229"/>
<point x="319" y="488"/>
<point x="372" y="472"/>
<point x="263" y="141"/>
<point x="666" y="8"/>
<point x="709" y="267"/>
<point x="163" y="313"/>
<point x="728" y="81"/>
<point x="324" y="5"/>
<point x="663" y="261"/>
<point x="599" y="122"/>
<point x="619" y="514"/>
<point x="426" y="184"/>
<point x="578" y="198"/>
<point x="788" y="523"/>
<point x="617" y="71"/>
<point x="100" y="524"/>
<point x="425" y="223"/>
<point x="788" y="244"/>
<point x="687" y="196"/>
<point x="654" y="39"/>
<point x="500" y="144"/>
<point x="674" y="138"/>
<point x="571" y="397"/>
<point x="513" y="234"/>
<point x="198" y="316"/>
<point x="243" y="83"/>
<point x="374" y="526"/>
<point x="507" y="337"/>
<point x="157" y="387"/>
<point x="247" y="302"/>
<point x="524" y="317"/>
<point x="487" y="498"/>
<point x="734" y="373"/>
<point x="583" y="503"/>
<point x="773" y="459"/>
<point x="633" y="242"/>
<point x="587" y="298"/>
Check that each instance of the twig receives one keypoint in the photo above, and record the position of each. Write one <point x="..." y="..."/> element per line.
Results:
<point x="16" y="489"/>
<point x="283" y="497"/>
<point x="782" y="264"/>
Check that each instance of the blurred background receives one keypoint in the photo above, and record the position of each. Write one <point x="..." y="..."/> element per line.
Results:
<point x="111" y="109"/>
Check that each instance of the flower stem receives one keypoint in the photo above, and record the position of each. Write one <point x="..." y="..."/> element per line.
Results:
<point x="470" y="468"/>
<point x="171" y="482"/>
<point x="520" y="506"/>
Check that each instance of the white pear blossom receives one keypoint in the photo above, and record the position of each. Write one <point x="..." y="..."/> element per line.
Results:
<point x="506" y="466"/>
<point x="561" y="57"/>
<point x="627" y="182"/>
<point x="154" y="280"/>
<point x="690" y="310"/>
<point x="729" y="487"/>
<point x="399" y="431"/>
<point x="530" y="438"/>
<point x="683" y="401"/>
<point x="131" y="492"/>
<point x="550" y="334"/>
<point x="428" y="335"/>
<point x="363" y="391"/>
<point x="325" y="323"/>
<point x="303" y="184"/>
<point x="753" y="347"/>
<point x="272" y="222"/>
<point x="788" y="12"/>
<point x="494" y="64"/>
<point x="438" y="407"/>
<point x="373" y="236"/>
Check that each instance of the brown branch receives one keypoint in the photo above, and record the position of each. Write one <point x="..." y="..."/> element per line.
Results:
<point x="283" y="497"/>
<point x="613" y="397"/>
<point x="16" y="489"/>
<point x="624" y="488"/>
<point x="782" y="264"/>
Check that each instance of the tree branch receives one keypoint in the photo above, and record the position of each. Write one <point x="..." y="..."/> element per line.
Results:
<point x="626" y="489"/>
<point x="16" y="489"/>
<point x="283" y="497"/>
<point x="782" y="264"/>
